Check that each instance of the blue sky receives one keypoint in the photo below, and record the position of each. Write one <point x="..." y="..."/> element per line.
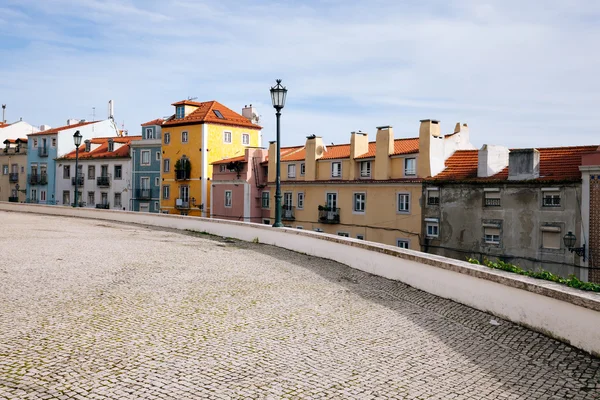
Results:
<point x="519" y="73"/>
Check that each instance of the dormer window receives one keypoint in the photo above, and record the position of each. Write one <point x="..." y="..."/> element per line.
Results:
<point x="111" y="146"/>
<point x="179" y="112"/>
<point x="88" y="146"/>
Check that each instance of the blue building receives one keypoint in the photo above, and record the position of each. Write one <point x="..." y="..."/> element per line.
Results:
<point x="147" y="162"/>
<point x="46" y="146"/>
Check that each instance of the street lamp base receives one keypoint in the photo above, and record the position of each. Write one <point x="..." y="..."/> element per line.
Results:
<point x="277" y="225"/>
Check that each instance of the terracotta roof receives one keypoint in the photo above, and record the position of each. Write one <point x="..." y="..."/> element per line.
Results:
<point x="556" y="163"/>
<point x="102" y="150"/>
<point x="284" y="151"/>
<point x="2" y="124"/>
<point x="157" y="121"/>
<point x="206" y="113"/>
<point x="297" y="154"/>
<point x="187" y="103"/>
<point x="228" y="160"/>
<point x="351" y="182"/>
<point x="401" y="146"/>
<point x="19" y="140"/>
<point x="62" y="128"/>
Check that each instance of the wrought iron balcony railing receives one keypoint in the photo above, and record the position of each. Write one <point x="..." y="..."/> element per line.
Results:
<point x="80" y="179"/>
<point x="145" y="194"/>
<point x="181" y="175"/>
<point x="43" y="151"/>
<point x="13" y="177"/>
<point x="12" y="199"/>
<point x="105" y="206"/>
<point x="103" y="181"/>
<point x="287" y="213"/>
<point x="329" y="215"/>
<point x="182" y="205"/>
<point x="33" y="179"/>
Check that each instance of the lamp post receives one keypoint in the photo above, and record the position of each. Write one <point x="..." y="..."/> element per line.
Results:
<point x="77" y="141"/>
<point x="278" y="94"/>
<point x="569" y="241"/>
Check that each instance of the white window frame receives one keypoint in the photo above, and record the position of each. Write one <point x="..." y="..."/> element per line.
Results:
<point x="363" y="201"/>
<point x="166" y="138"/>
<point x="225" y="137"/>
<point x="222" y="168"/>
<point x="246" y="139"/>
<point x="166" y="189"/>
<point x="291" y="170"/>
<point x="228" y="199"/>
<point x="365" y="169"/>
<point x="149" y="133"/>
<point x="120" y="205"/>
<point x="551" y="193"/>
<point x="433" y="193"/>
<point x="156" y="181"/>
<point x="339" y="170"/>
<point x="263" y="198"/>
<point x="147" y="153"/>
<point x="166" y="165"/>
<point x="491" y="239"/>
<point x="184" y="137"/>
<point x="398" y="202"/>
<point x="179" y="112"/>
<point x="302" y="169"/>
<point x="158" y="156"/>
<point x="410" y="172"/>
<point x="432" y="223"/>
<point x="403" y="243"/>
<point x="300" y="201"/>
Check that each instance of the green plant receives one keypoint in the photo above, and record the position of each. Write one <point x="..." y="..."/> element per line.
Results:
<point x="571" y="281"/>
<point x="255" y="240"/>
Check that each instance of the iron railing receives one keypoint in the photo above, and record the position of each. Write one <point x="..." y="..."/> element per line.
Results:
<point x="103" y="181"/>
<point x="287" y="213"/>
<point x="329" y="215"/>
<point x="43" y="151"/>
<point x="13" y="177"/>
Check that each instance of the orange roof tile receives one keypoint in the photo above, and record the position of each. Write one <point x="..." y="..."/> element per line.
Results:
<point x="298" y="154"/>
<point x="157" y="121"/>
<point x="2" y="124"/>
<point x="206" y="113"/>
<point x="556" y="163"/>
<point x="62" y="128"/>
<point x="228" y="160"/>
<point x="102" y="150"/>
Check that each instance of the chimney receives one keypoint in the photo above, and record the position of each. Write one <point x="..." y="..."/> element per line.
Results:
<point x="314" y="150"/>
<point x="44" y="127"/>
<point x="359" y="144"/>
<point x="249" y="112"/>
<point x="272" y="161"/>
<point x="72" y="121"/>
<point x="384" y="147"/>
<point x="111" y="109"/>
<point x="431" y="149"/>
<point x="491" y="160"/>
<point x="3" y="113"/>
<point x="523" y="164"/>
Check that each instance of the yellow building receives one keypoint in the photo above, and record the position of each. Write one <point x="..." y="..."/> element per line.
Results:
<point x="365" y="190"/>
<point x="194" y="137"/>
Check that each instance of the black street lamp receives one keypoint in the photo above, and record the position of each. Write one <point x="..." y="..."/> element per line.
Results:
<point x="570" y="240"/>
<point x="77" y="141"/>
<point x="278" y="94"/>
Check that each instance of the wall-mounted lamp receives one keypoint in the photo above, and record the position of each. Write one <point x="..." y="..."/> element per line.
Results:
<point x="570" y="240"/>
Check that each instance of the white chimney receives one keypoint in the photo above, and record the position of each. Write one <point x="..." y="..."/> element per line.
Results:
<point x="250" y="113"/>
<point x="491" y="160"/>
<point x="72" y="121"/>
<point x="44" y="127"/>
<point x="111" y="109"/>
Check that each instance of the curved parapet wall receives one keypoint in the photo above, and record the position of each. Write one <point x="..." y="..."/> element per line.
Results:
<point x="561" y="312"/>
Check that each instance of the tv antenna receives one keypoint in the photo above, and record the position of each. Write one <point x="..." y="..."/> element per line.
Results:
<point x="192" y="98"/>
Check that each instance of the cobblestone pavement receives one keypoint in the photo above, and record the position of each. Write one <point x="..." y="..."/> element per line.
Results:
<point x="95" y="310"/>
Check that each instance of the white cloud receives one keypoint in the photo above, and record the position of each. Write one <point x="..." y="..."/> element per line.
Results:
<point x="520" y="73"/>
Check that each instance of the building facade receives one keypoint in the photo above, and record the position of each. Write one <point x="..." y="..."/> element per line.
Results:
<point x="48" y="145"/>
<point x="146" y="156"/>
<point x="513" y="205"/>
<point x="104" y="176"/>
<point x="15" y="130"/>
<point x="197" y="135"/>
<point x="13" y="161"/>
<point x="590" y="174"/>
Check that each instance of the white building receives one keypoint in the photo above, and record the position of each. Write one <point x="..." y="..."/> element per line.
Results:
<point x="16" y="130"/>
<point x="104" y="176"/>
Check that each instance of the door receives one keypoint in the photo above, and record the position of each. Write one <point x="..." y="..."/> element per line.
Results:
<point x="287" y="205"/>
<point x="332" y="201"/>
<point x="184" y="193"/>
<point x="104" y="170"/>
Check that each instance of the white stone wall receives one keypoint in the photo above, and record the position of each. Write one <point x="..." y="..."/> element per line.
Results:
<point x="106" y="128"/>
<point x="17" y="130"/>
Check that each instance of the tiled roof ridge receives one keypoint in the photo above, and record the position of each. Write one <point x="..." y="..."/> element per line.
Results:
<point x="63" y="128"/>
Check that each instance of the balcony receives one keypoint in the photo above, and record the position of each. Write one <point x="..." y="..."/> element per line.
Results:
<point x="33" y="179"/>
<point x="43" y="151"/>
<point x="433" y="201"/>
<point x="287" y="213"/>
<point x="13" y="177"/>
<point x="329" y="215"/>
<point x="103" y="181"/>
<point x="182" y="175"/>
<point x="81" y="204"/>
<point x="80" y="179"/>
<point x="12" y="199"/>
<point x="43" y="179"/>
<point x="145" y="194"/>
<point x="492" y="202"/>
<point x="104" y="206"/>
<point x="182" y="205"/>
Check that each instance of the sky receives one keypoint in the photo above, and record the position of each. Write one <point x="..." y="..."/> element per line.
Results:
<point x="519" y="73"/>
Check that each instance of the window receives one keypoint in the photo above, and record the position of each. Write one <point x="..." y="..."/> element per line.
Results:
<point x="156" y="206"/>
<point x="91" y="198"/>
<point x="111" y="146"/>
<point x="222" y="168"/>
<point x="145" y="183"/>
<point x="433" y="196"/>
<point x="402" y="243"/>
<point x="551" y="197"/>
<point x="551" y="238"/>
<point x="34" y="143"/>
<point x="66" y="198"/>
<point x="5" y="169"/>
<point x="403" y="203"/>
<point x="179" y="112"/>
<point x="42" y="195"/>
<point x="53" y="142"/>
<point x="166" y="189"/>
<point x="332" y="201"/>
<point x="491" y="197"/>
<point x="91" y="172"/>
<point x="226" y="137"/>
<point x="410" y="166"/>
<point x="299" y="227"/>
<point x="291" y="169"/>
<point x="300" y="203"/>
<point x="184" y="137"/>
<point x="228" y="198"/>
<point x="361" y="237"/>
<point x="287" y="201"/>
<point x="34" y="195"/>
<point x="149" y="133"/>
<point x="166" y="165"/>
<point x="167" y="138"/>
<point x="184" y="193"/>
<point x="491" y="234"/>
<point x="267" y="221"/>
<point x="365" y="169"/>
<point x="66" y="172"/>
<point x="158" y="156"/>
<point x="218" y="114"/>
<point x="145" y="157"/>
<point x="265" y="199"/>
<point x="359" y="202"/>
<point x="302" y="169"/>
<point x="118" y="171"/>
<point x="432" y="229"/>
<point x="157" y="181"/>
<point x="117" y="200"/>
<point x="245" y="138"/>
<point x="344" y="234"/>
<point x="336" y="169"/>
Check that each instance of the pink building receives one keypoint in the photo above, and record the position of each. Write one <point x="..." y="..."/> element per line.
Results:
<point x="238" y="188"/>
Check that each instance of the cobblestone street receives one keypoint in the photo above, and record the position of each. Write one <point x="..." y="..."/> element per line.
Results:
<point x="96" y="310"/>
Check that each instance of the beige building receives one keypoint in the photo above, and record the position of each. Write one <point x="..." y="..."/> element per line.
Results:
<point x="13" y="161"/>
<point x="365" y="190"/>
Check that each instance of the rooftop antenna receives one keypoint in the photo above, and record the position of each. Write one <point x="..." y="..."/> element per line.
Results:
<point x="93" y="113"/>
<point x="3" y="111"/>
<point x="192" y="98"/>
